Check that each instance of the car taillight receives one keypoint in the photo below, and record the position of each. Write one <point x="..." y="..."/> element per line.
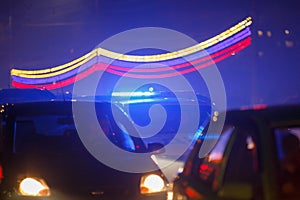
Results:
<point x="1" y="174"/>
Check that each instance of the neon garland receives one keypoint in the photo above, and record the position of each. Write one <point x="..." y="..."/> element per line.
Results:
<point x="148" y="58"/>
<point x="101" y="66"/>
<point x="181" y="53"/>
<point x="117" y="65"/>
<point x="217" y="48"/>
<point x="44" y="71"/>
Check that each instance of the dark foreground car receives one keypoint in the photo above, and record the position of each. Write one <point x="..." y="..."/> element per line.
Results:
<point x="257" y="156"/>
<point x="43" y="157"/>
<point x="44" y="153"/>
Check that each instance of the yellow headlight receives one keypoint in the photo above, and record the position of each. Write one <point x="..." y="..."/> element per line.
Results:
<point x="152" y="184"/>
<point x="33" y="187"/>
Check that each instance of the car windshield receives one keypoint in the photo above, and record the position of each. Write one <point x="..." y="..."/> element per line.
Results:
<point x="62" y="128"/>
<point x="167" y="123"/>
<point x="56" y="120"/>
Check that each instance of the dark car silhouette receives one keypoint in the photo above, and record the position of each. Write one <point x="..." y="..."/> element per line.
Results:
<point x="43" y="155"/>
<point x="257" y="156"/>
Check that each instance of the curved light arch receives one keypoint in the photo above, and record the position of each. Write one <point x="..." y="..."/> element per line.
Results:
<point x="147" y="58"/>
<point x="218" y="48"/>
<point x="181" y="53"/>
<point x="122" y="65"/>
<point x="101" y="66"/>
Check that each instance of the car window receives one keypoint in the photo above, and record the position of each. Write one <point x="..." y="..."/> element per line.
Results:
<point x="62" y="129"/>
<point x="117" y="134"/>
<point x="288" y="154"/>
<point x="126" y="140"/>
<point x="166" y="134"/>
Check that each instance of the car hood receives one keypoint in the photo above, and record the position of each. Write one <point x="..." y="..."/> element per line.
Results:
<point x="69" y="169"/>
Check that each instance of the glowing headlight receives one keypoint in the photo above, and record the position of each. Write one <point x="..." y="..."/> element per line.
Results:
<point x="152" y="184"/>
<point x="33" y="187"/>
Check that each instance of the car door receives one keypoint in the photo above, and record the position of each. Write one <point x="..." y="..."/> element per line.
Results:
<point x="229" y="171"/>
<point x="201" y="177"/>
<point x="240" y="176"/>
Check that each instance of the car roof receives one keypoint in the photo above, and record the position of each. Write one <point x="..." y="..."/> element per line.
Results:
<point x="44" y="107"/>
<point x="274" y="114"/>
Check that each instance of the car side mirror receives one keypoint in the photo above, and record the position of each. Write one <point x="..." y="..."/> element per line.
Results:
<point x="236" y="191"/>
<point x="156" y="148"/>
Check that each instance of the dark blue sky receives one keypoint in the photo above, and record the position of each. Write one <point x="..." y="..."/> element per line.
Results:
<point x="40" y="34"/>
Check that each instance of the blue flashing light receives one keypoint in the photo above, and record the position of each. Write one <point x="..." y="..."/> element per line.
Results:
<point x="210" y="136"/>
<point x="136" y="101"/>
<point x="151" y="89"/>
<point x="198" y="133"/>
<point x="133" y="94"/>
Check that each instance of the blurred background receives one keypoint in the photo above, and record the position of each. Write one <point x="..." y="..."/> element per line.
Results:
<point x="38" y="34"/>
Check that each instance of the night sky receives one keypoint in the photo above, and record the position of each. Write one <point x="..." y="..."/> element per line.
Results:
<point x="37" y="34"/>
